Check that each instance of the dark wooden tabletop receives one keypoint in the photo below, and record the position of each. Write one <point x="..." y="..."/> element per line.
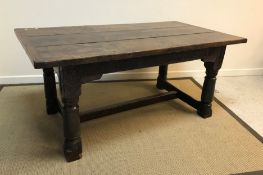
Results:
<point x="58" y="46"/>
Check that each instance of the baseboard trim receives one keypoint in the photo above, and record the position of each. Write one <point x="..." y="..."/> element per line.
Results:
<point x="28" y="79"/>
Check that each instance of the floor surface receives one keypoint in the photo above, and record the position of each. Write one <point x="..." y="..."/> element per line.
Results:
<point x="244" y="96"/>
<point x="166" y="138"/>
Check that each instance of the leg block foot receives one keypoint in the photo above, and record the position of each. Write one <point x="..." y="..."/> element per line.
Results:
<point x="52" y="109"/>
<point x="159" y="85"/>
<point x="72" y="150"/>
<point x="205" y="111"/>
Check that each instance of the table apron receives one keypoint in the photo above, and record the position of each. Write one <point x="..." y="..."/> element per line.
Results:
<point x="94" y="71"/>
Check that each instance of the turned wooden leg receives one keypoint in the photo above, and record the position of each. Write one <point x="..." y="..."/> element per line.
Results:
<point x="162" y="77"/>
<point x="70" y="87"/>
<point x="71" y="123"/>
<point x="50" y="91"/>
<point x="212" y="68"/>
<point x="205" y="110"/>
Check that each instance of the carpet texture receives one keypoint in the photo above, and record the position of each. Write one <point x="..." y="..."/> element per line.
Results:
<point x="167" y="138"/>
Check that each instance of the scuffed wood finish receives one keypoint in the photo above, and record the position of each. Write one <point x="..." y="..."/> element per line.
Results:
<point x="84" y="53"/>
<point x="50" y="47"/>
<point x="97" y="37"/>
<point x="100" y="28"/>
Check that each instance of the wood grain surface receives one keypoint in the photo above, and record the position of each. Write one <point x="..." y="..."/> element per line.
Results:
<point x="56" y="46"/>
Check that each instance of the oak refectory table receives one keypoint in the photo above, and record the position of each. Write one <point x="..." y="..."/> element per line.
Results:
<point x="81" y="54"/>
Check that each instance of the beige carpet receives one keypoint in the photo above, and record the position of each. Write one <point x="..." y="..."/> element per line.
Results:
<point x="165" y="138"/>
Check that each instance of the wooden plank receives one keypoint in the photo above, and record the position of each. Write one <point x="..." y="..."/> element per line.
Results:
<point x="94" y="37"/>
<point x="96" y="28"/>
<point x="50" y="47"/>
<point x="105" y="51"/>
<point x="132" y="104"/>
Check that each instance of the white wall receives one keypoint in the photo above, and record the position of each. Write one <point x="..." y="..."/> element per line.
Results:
<point x="238" y="17"/>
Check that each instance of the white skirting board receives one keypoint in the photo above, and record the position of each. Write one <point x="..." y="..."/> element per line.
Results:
<point x="28" y="79"/>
